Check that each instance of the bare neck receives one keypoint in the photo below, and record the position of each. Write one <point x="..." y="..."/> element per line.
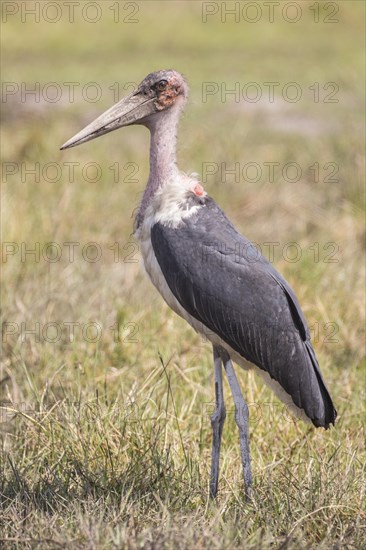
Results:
<point x="163" y="148"/>
<point x="163" y="167"/>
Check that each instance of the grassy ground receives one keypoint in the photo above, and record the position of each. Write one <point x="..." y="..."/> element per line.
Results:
<point x="105" y="437"/>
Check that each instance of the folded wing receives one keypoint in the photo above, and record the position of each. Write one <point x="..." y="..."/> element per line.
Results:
<point x="221" y="279"/>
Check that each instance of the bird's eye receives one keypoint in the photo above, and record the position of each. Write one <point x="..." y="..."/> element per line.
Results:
<point x="161" y="85"/>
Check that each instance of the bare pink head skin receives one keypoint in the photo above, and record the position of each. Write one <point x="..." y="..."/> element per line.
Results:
<point x="169" y="89"/>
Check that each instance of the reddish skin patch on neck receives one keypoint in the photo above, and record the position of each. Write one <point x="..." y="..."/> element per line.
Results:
<point x="198" y="190"/>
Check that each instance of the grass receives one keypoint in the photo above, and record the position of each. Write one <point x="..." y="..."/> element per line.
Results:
<point x="105" y="437"/>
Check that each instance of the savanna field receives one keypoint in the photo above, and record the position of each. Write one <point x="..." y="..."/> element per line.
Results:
<point x="105" y="394"/>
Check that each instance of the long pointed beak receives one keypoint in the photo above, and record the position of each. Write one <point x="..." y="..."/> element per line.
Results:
<point x="130" y="110"/>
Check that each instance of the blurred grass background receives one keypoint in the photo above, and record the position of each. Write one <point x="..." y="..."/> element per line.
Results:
<point x="106" y="444"/>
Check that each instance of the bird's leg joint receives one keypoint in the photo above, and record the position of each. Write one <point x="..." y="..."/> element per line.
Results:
<point x="219" y="415"/>
<point x="241" y="415"/>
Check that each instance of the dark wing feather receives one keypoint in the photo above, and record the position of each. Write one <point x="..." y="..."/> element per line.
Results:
<point x="220" y="278"/>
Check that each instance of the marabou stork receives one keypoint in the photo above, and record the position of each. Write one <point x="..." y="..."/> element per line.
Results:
<point x="204" y="270"/>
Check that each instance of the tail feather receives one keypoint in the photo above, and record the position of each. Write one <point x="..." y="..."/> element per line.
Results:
<point x="330" y="414"/>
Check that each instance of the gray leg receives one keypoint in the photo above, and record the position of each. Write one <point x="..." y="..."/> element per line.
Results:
<point x="241" y="418"/>
<point x="217" y="423"/>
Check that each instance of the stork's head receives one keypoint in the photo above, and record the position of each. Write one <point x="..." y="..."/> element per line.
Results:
<point x="159" y="93"/>
<point x="166" y="88"/>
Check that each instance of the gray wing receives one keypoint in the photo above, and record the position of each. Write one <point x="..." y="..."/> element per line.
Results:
<point x="220" y="278"/>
